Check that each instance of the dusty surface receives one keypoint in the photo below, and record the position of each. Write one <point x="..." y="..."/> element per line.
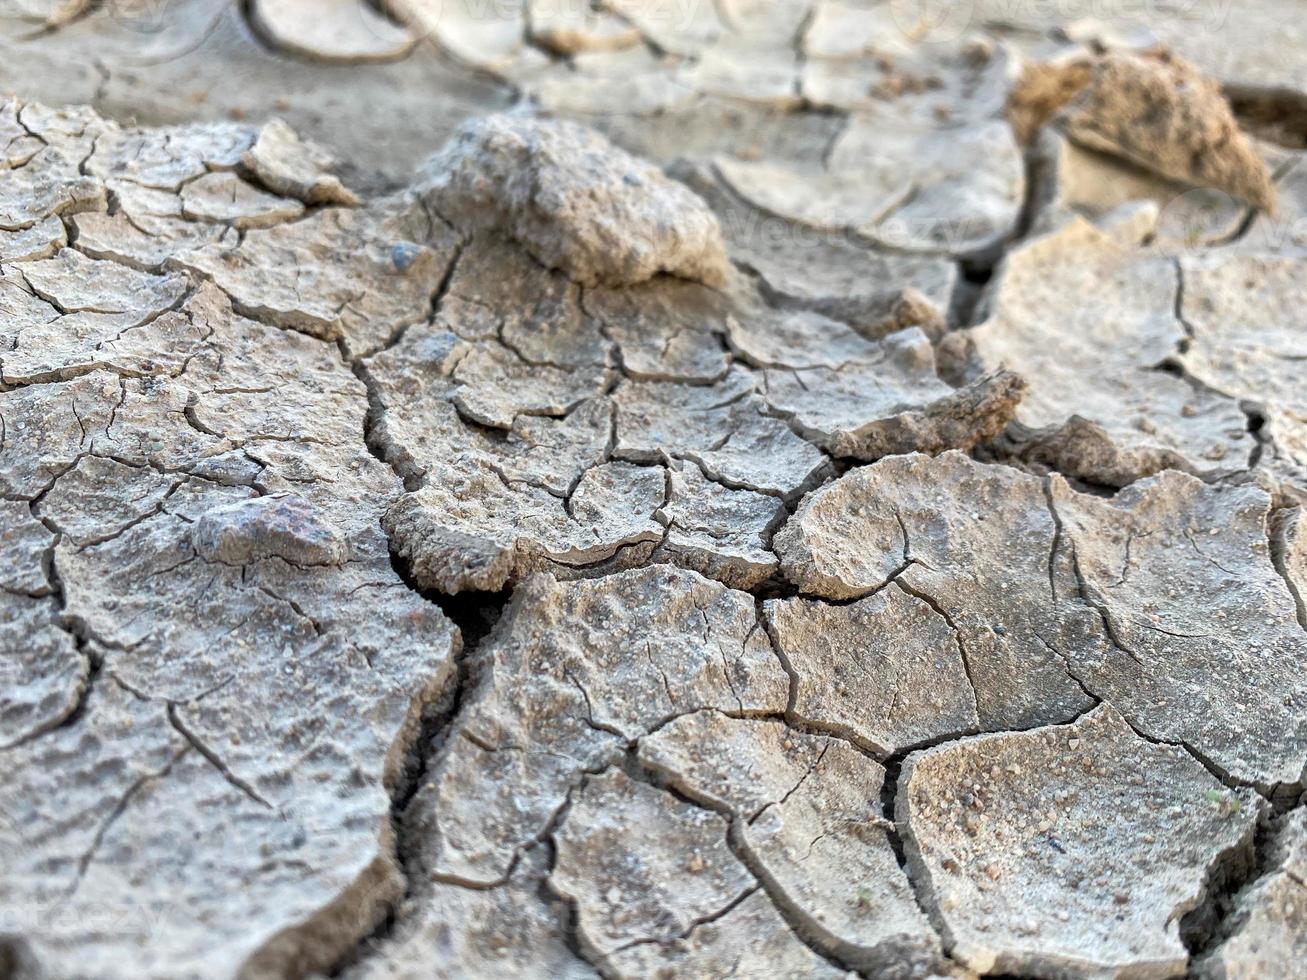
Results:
<point x="802" y="488"/>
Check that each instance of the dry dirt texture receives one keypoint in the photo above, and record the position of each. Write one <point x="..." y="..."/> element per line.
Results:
<point x="652" y="488"/>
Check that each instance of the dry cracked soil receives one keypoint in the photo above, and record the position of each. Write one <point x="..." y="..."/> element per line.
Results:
<point x="652" y="489"/>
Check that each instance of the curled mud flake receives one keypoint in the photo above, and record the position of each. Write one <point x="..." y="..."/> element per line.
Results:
<point x="807" y="812"/>
<point x="722" y="533"/>
<point x="476" y="529"/>
<point x="1267" y="934"/>
<point x="1133" y="206"/>
<point x="37" y="241"/>
<point x="976" y="542"/>
<point x="100" y="497"/>
<point x="1206" y="645"/>
<point x="1245" y="312"/>
<point x="574" y="672"/>
<point x="1042" y="90"/>
<point x="1068" y="851"/>
<point x="1157" y="111"/>
<point x="224" y="198"/>
<point x="666" y="329"/>
<point x="721" y="427"/>
<point x="287" y="165"/>
<point x="47" y="429"/>
<point x="890" y="400"/>
<point x="574" y="201"/>
<point x="886" y="672"/>
<point x="1087" y="324"/>
<point x="24" y="541"/>
<point x="831" y="272"/>
<point x="332" y="275"/>
<point x="750" y="939"/>
<point x="571" y="29"/>
<point x="490" y="37"/>
<point x="622" y="854"/>
<point x="448" y="931"/>
<point x="340" y="31"/>
<point x="267" y="527"/>
<point x="43" y="676"/>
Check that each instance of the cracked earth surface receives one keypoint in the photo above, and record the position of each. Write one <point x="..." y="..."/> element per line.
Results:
<point x="650" y="489"/>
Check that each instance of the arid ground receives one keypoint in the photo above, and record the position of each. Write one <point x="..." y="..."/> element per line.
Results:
<point x="653" y="489"/>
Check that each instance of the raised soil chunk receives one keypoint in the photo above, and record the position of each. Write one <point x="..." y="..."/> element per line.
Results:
<point x="575" y="201"/>
<point x="1089" y="325"/>
<point x="1068" y="851"/>
<point x="265" y="527"/>
<point x="1157" y="111"/>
